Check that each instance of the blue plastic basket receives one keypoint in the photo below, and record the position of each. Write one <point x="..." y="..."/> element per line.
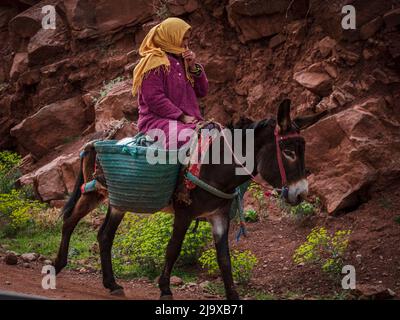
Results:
<point x="133" y="183"/>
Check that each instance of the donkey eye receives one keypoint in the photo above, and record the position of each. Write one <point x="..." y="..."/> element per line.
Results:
<point x="289" y="154"/>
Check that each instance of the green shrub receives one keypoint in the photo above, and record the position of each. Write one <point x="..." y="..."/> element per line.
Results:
<point x="107" y="87"/>
<point x="9" y="160"/>
<point x="160" y="7"/>
<point x="304" y="209"/>
<point x="16" y="206"/>
<point x="243" y="264"/>
<point x="324" y="250"/>
<point x="17" y="211"/>
<point x="9" y="173"/>
<point x="3" y="86"/>
<point x="257" y="193"/>
<point x="141" y="243"/>
<point x="251" y="216"/>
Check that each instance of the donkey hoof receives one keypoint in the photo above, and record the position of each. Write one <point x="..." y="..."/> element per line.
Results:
<point x="118" y="292"/>
<point x="167" y="297"/>
<point x="58" y="266"/>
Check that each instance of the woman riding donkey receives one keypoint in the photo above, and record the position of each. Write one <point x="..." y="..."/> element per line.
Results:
<point x="279" y="153"/>
<point x="168" y="81"/>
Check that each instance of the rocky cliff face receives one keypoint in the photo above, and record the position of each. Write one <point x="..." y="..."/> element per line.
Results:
<point x="60" y="88"/>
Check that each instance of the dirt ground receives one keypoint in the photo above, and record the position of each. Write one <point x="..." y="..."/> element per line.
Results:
<point x="373" y="250"/>
<point x="73" y="285"/>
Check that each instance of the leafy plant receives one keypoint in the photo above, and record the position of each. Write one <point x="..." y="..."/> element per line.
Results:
<point x="304" y="209"/>
<point x="3" y="86"/>
<point x="251" y="216"/>
<point x="16" y="206"/>
<point x="107" y="87"/>
<point x="43" y="237"/>
<point x="324" y="250"/>
<point x="397" y="219"/>
<point x="141" y="242"/>
<point x="385" y="203"/>
<point x="9" y="173"/>
<point x="243" y="264"/>
<point x="17" y="211"/>
<point x="160" y="7"/>
<point x="258" y="194"/>
<point x="9" y="160"/>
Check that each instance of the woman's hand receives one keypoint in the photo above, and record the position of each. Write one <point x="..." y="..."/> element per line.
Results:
<point x="190" y="58"/>
<point x="187" y="119"/>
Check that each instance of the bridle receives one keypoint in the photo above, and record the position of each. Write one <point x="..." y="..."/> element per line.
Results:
<point x="278" y="138"/>
<point x="238" y="195"/>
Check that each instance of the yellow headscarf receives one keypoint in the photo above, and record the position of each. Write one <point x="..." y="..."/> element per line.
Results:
<point x="165" y="37"/>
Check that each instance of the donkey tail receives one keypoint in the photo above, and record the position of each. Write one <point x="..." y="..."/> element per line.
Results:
<point x="76" y="194"/>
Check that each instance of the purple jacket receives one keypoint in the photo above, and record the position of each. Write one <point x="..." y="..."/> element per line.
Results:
<point x="164" y="97"/>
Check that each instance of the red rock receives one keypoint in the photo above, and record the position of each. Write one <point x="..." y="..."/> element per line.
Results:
<point x="139" y="36"/>
<point x="124" y="129"/>
<point x="29" y="78"/>
<point x="69" y="165"/>
<point x="46" y="44"/>
<point x="392" y="18"/>
<point x="220" y="69"/>
<point x="117" y="105"/>
<point x="330" y="69"/>
<point x="174" y="8"/>
<point x="176" y="281"/>
<point x="318" y="83"/>
<point x="370" y="28"/>
<point x="341" y="96"/>
<point x="6" y="14"/>
<point x="49" y="181"/>
<point x="6" y="141"/>
<point x="256" y="27"/>
<point x="55" y="179"/>
<point x="326" y="46"/>
<point x="191" y="6"/>
<point x="352" y="150"/>
<point x="28" y="22"/>
<point x="257" y="96"/>
<point x="11" y="259"/>
<point x="349" y="57"/>
<point x="276" y="40"/>
<point x="81" y="17"/>
<point x="179" y="7"/>
<point x="373" y="292"/>
<point x="258" y="7"/>
<point x="94" y="18"/>
<point x="20" y="65"/>
<point x="118" y="61"/>
<point x="51" y="126"/>
<point x="57" y="203"/>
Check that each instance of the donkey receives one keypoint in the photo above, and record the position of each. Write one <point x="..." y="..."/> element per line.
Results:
<point x="276" y="161"/>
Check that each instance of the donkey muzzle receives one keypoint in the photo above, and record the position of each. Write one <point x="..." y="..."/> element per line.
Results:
<point x="297" y="191"/>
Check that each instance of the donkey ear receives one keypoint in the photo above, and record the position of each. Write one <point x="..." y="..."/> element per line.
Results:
<point x="304" y="122"/>
<point x="284" y="121"/>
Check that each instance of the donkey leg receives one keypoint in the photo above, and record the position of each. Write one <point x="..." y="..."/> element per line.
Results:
<point x="220" y="229"/>
<point x="181" y="225"/>
<point x="106" y="237"/>
<point x="85" y="204"/>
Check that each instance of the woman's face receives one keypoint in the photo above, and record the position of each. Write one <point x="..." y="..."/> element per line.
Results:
<point x="186" y="38"/>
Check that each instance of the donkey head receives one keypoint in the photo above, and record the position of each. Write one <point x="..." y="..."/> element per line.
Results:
<point x="281" y="152"/>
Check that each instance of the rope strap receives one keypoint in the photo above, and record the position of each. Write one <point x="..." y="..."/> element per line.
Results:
<point x="209" y="188"/>
<point x="237" y="197"/>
